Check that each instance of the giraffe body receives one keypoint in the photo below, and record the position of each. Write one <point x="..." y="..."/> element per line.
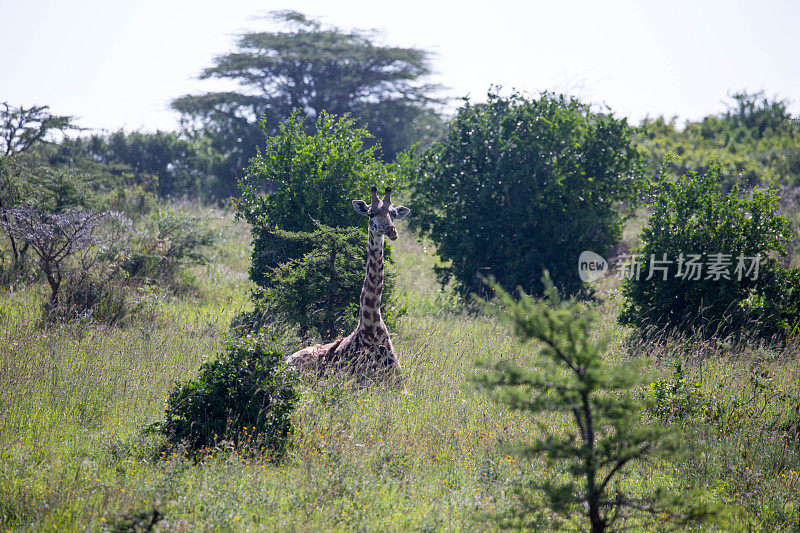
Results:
<point x="367" y="351"/>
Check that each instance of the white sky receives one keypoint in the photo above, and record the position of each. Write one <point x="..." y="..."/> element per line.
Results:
<point x="117" y="64"/>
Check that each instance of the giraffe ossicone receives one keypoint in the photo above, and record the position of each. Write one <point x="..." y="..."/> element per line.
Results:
<point x="368" y="350"/>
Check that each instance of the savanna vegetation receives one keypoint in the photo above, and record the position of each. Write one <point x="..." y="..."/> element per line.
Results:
<point x="514" y="173"/>
<point x="145" y="318"/>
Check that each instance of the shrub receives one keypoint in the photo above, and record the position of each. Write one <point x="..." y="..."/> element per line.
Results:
<point x="308" y="274"/>
<point x="65" y="239"/>
<point x="246" y="395"/>
<point x="85" y="294"/>
<point x="678" y="398"/>
<point x="692" y="216"/>
<point x="320" y="292"/>
<point x="519" y="186"/>
<point x="570" y="376"/>
<point x="170" y="241"/>
<point x="312" y="177"/>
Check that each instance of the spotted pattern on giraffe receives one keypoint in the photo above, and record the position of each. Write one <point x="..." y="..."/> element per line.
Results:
<point x="368" y="351"/>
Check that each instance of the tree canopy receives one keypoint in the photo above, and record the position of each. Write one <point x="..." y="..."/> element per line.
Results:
<point x="521" y="185"/>
<point x="164" y="162"/>
<point x="22" y="128"/>
<point x="755" y="141"/>
<point x="309" y="69"/>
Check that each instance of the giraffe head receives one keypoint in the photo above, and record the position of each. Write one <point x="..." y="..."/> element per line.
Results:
<point x="382" y="213"/>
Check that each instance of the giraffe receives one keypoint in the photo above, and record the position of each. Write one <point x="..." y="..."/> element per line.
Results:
<point x="368" y="350"/>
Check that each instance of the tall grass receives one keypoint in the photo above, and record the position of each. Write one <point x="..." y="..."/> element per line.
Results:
<point x="434" y="456"/>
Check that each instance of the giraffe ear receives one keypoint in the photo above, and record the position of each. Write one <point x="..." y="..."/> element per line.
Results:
<point x="402" y="212"/>
<point x="361" y="207"/>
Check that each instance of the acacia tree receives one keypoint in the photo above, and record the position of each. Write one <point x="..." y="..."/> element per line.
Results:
<point x="21" y="130"/>
<point x="309" y="69"/>
<point x="57" y="237"/>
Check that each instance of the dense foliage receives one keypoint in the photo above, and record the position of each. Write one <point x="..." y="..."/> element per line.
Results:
<point x="521" y="185"/>
<point x="756" y="141"/>
<point x="310" y="177"/>
<point x="247" y="394"/>
<point x="692" y="216"/>
<point x="310" y="69"/>
<point x="315" y="178"/>
<point x="165" y="163"/>
<point x="570" y="376"/>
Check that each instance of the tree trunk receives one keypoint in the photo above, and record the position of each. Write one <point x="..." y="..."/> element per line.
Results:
<point x="11" y="240"/>
<point x="53" y="280"/>
<point x="592" y="495"/>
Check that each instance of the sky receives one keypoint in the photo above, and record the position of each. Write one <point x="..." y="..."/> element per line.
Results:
<point x="117" y="64"/>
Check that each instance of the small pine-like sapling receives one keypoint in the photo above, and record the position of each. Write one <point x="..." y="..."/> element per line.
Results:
<point x="570" y="376"/>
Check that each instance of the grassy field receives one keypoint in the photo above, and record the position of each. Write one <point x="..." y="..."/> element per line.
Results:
<point x="73" y="400"/>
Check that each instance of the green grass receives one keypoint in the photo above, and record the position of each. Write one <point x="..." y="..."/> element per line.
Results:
<point x="74" y="398"/>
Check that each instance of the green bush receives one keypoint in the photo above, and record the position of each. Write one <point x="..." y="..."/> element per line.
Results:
<point x="308" y="274"/>
<point x="320" y="291"/>
<point x="519" y="186"/>
<point x="312" y="177"/>
<point x="245" y="396"/>
<point x="692" y="216"/>
<point x="678" y="398"/>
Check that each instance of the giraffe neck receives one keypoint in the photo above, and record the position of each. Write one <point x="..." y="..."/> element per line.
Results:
<point x="369" y="317"/>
